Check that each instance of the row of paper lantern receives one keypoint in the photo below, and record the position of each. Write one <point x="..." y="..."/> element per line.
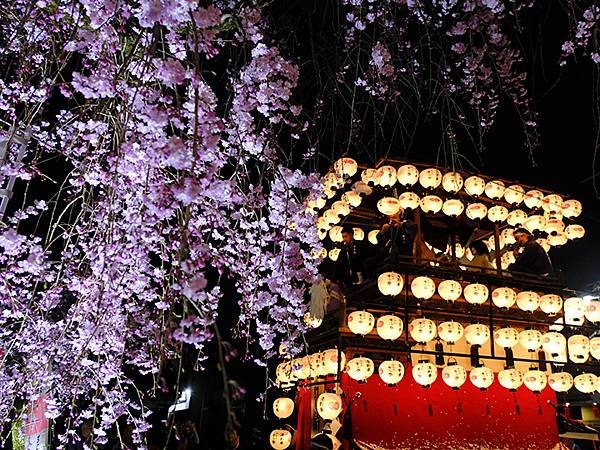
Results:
<point x="311" y="366"/>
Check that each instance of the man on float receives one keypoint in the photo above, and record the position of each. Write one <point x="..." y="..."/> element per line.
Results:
<point x="533" y="258"/>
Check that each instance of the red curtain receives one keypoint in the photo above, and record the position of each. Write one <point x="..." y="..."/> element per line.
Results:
<point x="303" y="430"/>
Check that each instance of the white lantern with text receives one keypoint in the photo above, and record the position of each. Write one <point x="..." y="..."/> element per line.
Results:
<point x="430" y="178"/>
<point x="535" y="223"/>
<point x="450" y="331"/>
<point x="389" y="327"/>
<point x="424" y="373"/>
<point x="514" y="194"/>
<point x="452" y="182"/>
<point x="477" y="334"/>
<point x="504" y="297"/>
<point x="335" y="234"/>
<point x="506" y="337"/>
<point x="586" y="383"/>
<point x="390" y="283"/>
<point x="449" y="290"/>
<point x="372" y="236"/>
<point x="516" y="218"/>
<point x="592" y="310"/>
<point x="311" y="321"/>
<point x="360" y="369"/>
<point x="574" y="231"/>
<point x="361" y="322"/>
<point x="560" y="381"/>
<point x="422" y="287"/>
<point x="495" y="189"/>
<point x="476" y="211"/>
<point x="391" y="372"/>
<point x="352" y="198"/>
<point x="454" y="375"/>
<point x="497" y="214"/>
<point x="334" y="254"/>
<point x="476" y="293"/>
<point x="552" y="203"/>
<point x="554" y="343"/>
<point x="595" y="347"/>
<point x="535" y="380"/>
<point x="407" y="175"/>
<point x="558" y="239"/>
<point x="578" y="346"/>
<point x="528" y="300"/>
<point x="359" y="234"/>
<point x="554" y="226"/>
<point x="331" y="361"/>
<point x="280" y="439"/>
<point x="574" y="308"/>
<point x="368" y="176"/>
<point x="530" y="340"/>
<point x="301" y="368"/>
<point x="385" y="176"/>
<point x="341" y="208"/>
<point x="474" y="185"/>
<point x="533" y="199"/>
<point x="388" y="206"/>
<point x="481" y="377"/>
<point x="571" y="208"/>
<point x="551" y="303"/>
<point x="329" y="405"/>
<point x="283" y="407"/>
<point x="431" y="204"/>
<point x="510" y="379"/>
<point x="422" y="330"/>
<point x="409" y="200"/>
<point x="453" y="207"/>
<point x="362" y="188"/>
<point x="345" y="167"/>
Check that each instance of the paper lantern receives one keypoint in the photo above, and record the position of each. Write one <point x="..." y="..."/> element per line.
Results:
<point x="558" y="239"/>
<point x="481" y="377"/>
<point x="474" y="186"/>
<point x="332" y="181"/>
<point x="329" y="405"/>
<point x="453" y="207"/>
<point x="283" y="407"/>
<point x="595" y="347"/>
<point x="316" y="203"/>
<point x="322" y="224"/>
<point x="359" y="234"/>
<point x="280" y="439"/>
<point x="368" y="176"/>
<point x="533" y="199"/>
<point x="312" y="322"/>
<point x="431" y="204"/>
<point x="335" y="233"/>
<point x="372" y="236"/>
<point x="505" y="260"/>
<point x="530" y="340"/>
<point x="552" y="203"/>
<point x="452" y="182"/>
<point x="586" y="383"/>
<point x="574" y="231"/>
<point x="560" y="381"/>
<point x="571" y="208"/>
<point x="592" y="311"/>
<point x="578" y="346"/>
<point x="407" y="175"/>
<point x="362" y="188"/>
<point x="360" y="369"/>
<point x="422" y="287"/>
<point x="544" y="243"/>
<point x="409" y="200"/>
<point x="516" y="218"/>
<point x="551" y="303"/>
<point x="424" y="373"/>
<point x="535" y="223"/>
<point x="510" y="379"/>
<point x="388" y="206"/>
<point x="450" y="290"/>
<point x="430" y="178"/>
<point x="422" y="330"/>
<point x="476" y="293"/>
<point x="528" y="300"/>
<point x="454" y="375"/>
<point x="345" y="167"/>
<point x="389" y="327"/>
<point x="301" y="368"/>
<point x="450" y="332"/>
<point x="331" y="217"/>
<point x="385" y="176"/>
<point x="390" y="283"/>
<point x="574" y="308"/>
<point x="334" y="254"/>
<point x="535" y="380"/>
<point x="506" y="337"/>
<point x="554" y="343"/>
<point x="341" y="208"/>
<point x="352" y="198"/>
<point x="391" y="372"/>
<point x="477" y="334"/>
<point x="330" y="361"/>
<point x="476" y="211"/>
<point x="283" y="372"/>
<point x="495" y="189"/>
<point x="504" y="297"/>
<point x="507" y="237"/>
<point x="361" y="322"/>
<point x="554" y="226"/>
<point x="316" y="365"/>
<point x="514" y="194"/>
<point x="320" y="254"/>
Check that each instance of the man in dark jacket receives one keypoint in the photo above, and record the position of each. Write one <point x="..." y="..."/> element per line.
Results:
<point x="396" y="237"/>
<point x="351" y="259"/>
<point x="533" y="259"/>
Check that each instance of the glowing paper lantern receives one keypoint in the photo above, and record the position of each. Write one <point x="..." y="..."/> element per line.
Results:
<point x="592" y="311"/>
<point x="533" y="199"/>
<point x="552" y="203"/>
<point x="454" y="375"/>
<point x="578" y="346"/>
<point x="558" y="239"/>
<point x="334" y="254"/>
<point x="571" y="208"/>
<point x="360" y="369"/>
<point x="361" y="322"/>
<point x="528" y="300"/>
<point x="316" y="365"/>
<point x="554" y="343"/>
<point x="430" y="178"/>
<point x="331" y="217"/>
<point x="535" y="223"/>
<point x="516" y="218"/>
<point x="359" y="234"/>
<point x="330" y="361"/>
<point x="422" y="330"/>
<point x="450" y="290"/>
<point x="320" y="254"/>
<point x="424" y="373"/>
<point x="389" y="327"/>
<point x="352" y="198"/>
<point x="586" y="383"/>
<point x="476" y="211"/>
<point x="510" y="379"/>
<point x="280" y="439"/>
<point x="385" y="176"/>
<point x="554" y="226"/>
<point x="474" y="186"/>
<point x="409" y="200"/>
<point x="368" y="176"/>
<point x="595" y="347"/>
<point x="560" y="381"/>
<point x="495" y="189"/>
<point x="514" y="194"/>
<point x="506" y="337"/>
<point x="504" y="297"/>
<point x="452" y="182"/>
<point x="407" y="175"/>
<point x="332" y="182"/>
<point x="283" y="407"/>
<point x="574" y="232"/>
<point x="391" y="372"/>
<point x="341" y="208"/>
<point x="477" y="334"/>
<point x="530" y="340"/>
<point x="453" y="207"/>
<point x="390" y="283"/>
<point x="283" y="372"/>
<point x="544" y="243"/>
<point x="535" y="380"/>
<point x="431" y="204"/>
<point x="574" y="309"/>
<point x="507" y="237"/>
<point x="316" y="203"/>
<point x="481" y="377"/>
<point x="312" y="322"/>
<point x="551" y="303"/>
<point x="362" y="188"/>
<point x="388" y="206"/>
<point x="450" y="331"/>
<point x="335" y="233"/>
<point x="422" y="287"/>
<point x="301" y="368"/>
<point x="372" y="236"/>
<point x="345" y="167"/>
<point x="476" y="293"/>
<point x="329" y="405"/>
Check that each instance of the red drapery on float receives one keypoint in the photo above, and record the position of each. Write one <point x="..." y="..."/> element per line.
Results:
<point x="303" y="429"/>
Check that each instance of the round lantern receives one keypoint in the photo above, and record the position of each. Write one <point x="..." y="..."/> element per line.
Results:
<point x="301" y="368"/>
<point x="323" y="225"/>
<point x="329" y="405"/>
<point x="552" y="203"/>
<point x="507" y="237"/>
<point x="535" y="380"/>
<point x="409" y="200"/>
<point x="574" y="231"/>
<point x="312" y="322"/>
<point x="504" y="297"/>
<point x="320" y="254"/>
<point x="407" y="175"/>
<point x="560" y="381"/>
<point x="506" y="337"/>
<point x="389" y="327"/>
<point x="424" y="373"/>
<point x="454" y="375"/>
<point x="431" y="204"/>
<point x="452" y="182"/>
<point x="283" y="372"/>
<point x="528" y="300"/>
<point x="330" y="361"/>
<point x="495" y="189"/>
<point x="554" y="343"/>
<point x="361" y="322"/>
<point x="554" y="226"/>
<point x="474" y="186"/>
<point x="430" y="178"/>
<point x="422" y="287"/>
<point x="586" y="383"/>
<point x="535" y="223"/>
<point x="280" y="439"/>
<point x="352" y="198"/>
<point x="385" y="176"/>
<point x="391" y="372"/>
<point x="481" y="377"/>
<point x="390" y="283"/>
<point x="477" y="334"/>
<point x="372" y="236"/>
<point x="316" y="365"/>
<point x="422" y="330"/>
<point x="450" y="331"/>
<point x="453" y="207"/>
<point x="530" y="340"/>
<point x="571" y="208"/>
<point x="359" y="234"/>
<point x="362" y="188"/>
<point x="334" y="254"/>
<point x="516" y="218"/>
<point x="341" y="208"/>
<point x="592" y="311"/>
<point x="476" y="293"/>
<point x="316" y="203"/>
<point x="332" y="182"/>
<point x="514" y="194"/>
<point x="283" y="407"/>
<point x="551" y="303"/>
<point x="331" y="217"/>
<point x="368" y="176"/>
<point x="578" y="346"/>
<point x="558" y="239"/>
<point x="335" y="233"/>
<point x="476" y="211"/>
<point x="345" y="167"/>
<point x="360" y="369"/>
<point x="450" y="290"/>
<point x="388" y="206"/>
<point x="574" y="308"/>
<point x="595" y="347"/>
<point x="510" y="379"/>
<point x="533" y="199"/>
<point x="544" y="243"/>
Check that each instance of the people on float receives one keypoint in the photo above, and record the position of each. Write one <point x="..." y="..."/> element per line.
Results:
<point x="352" y="258"/>
<point x="481" y="257"/>
<point x="530" y="256"/>
<point x="397" y="236"/>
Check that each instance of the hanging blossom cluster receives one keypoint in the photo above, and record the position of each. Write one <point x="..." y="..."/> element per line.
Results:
<point x="584" y="33"/>
<point x="170" y="182"/>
